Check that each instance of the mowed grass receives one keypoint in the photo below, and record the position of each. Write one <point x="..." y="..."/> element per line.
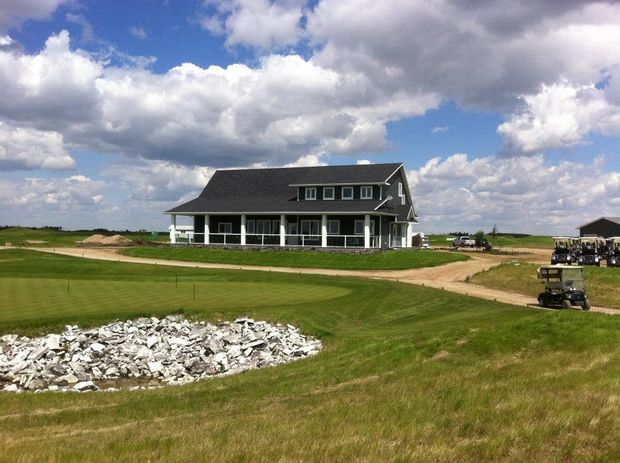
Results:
<point x="386" y="260"/>
<point x="406" y="374"/>
<point x="602" y="284"/>
<point x="18" y="236"/>
<point x="533" y="241"/>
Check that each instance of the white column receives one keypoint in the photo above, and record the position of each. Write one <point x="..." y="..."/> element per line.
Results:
<point x="173" y="229"/>
<point x="207" y="228"/>
<point x="324" y="231"/>
<point x="242" y="229"/>
<point x="282" y="230"/>
<point x="367" y="231"/>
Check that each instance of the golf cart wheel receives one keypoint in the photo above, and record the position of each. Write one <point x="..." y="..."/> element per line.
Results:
<point x="541" y="302"/>
<point x="586" y="304"/>
<point x="566" y="304"/>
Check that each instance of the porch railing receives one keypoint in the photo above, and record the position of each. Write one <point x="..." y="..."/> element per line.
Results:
<point x="271" y="239"/>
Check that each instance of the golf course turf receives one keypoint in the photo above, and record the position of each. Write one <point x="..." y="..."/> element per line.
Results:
<point x="386" y="260"/>
<point x="407" y="373"/>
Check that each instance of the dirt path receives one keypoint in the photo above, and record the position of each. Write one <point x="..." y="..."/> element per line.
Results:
<point x="450" y="277"/>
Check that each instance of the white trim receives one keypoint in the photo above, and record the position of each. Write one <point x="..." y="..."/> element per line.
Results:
<point x="337" y="184"/>
<point x="338" y="228"/>
<point x="324" y="231"/>
<point x="263" y="222"/>
<point x="282" y="230"/>
<point x="367" y="231"/>
<point x="383" y="202"/>
<point x="365" y="188"/>
<point x="310" y="197"/>
<point x="219" y="227"/>
<point x="207" y="228"/>
<point x="342" y="193"/>
<point x="242" y="230"/>
<point x="333" y="189"/>
<point x="282" y="212"/>
<point x="318" y="227"/>
<point x="392" y="174"/>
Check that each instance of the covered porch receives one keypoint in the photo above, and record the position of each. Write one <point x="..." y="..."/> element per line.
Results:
<point x="287" y="230"/>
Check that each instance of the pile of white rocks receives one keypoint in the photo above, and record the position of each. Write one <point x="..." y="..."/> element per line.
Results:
<point x="146" y="353"/>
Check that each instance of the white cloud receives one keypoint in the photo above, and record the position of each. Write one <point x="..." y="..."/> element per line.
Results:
<point x="521" y="194"/>
<point x="14" y="12"/>
<point x="138" y="32"/>
<point x="158" y="180"/>
<point x="256" y="23"/>
<point x="443" y="129"/>
<point x="363" y="162"/>
<point x="560" y="115"/>
<point x="285" y="108"/>
<point x="88" y="35"/>
<point x="72" y="193"/>
<point x="26" y="148"/>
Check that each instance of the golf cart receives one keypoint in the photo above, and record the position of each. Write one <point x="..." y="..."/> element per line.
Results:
<point x="613" y="251"/>
<point x="590" y="250"/>
<point x="562" y="250"/>
<point x="564" y="287"/>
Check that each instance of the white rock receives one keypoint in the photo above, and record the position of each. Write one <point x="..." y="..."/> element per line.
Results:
<point x="85" y="386"/>
<point x="97" y="347"/>
<point x="155" y="367"/>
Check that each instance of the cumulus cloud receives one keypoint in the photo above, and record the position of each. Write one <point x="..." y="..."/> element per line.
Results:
<point x="63" y="194"/>
<point x="14" y="12"/>
<point x="285" y="108"/>
<point x="520" y="194"/>
<point x="25" y="148"/>
<point x="138" y="32"/>
<point x="255" y="23"/>
<point x="88" y="35"/>
<point x="561" y="115"/>
<point x="159" y="180"/>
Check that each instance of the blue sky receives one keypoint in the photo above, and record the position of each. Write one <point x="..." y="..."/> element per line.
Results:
<point x="113" y="112"/>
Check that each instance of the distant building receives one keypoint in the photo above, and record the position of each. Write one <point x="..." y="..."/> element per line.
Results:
<point x="605" y="227"/>
<point x="365" y="206"/>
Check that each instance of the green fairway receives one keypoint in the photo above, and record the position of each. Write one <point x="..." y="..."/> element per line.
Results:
<point x="602" y="284"/>
<point x="387" y="260"/>
<point x="19" y="236"/>
<point x="407" y="373"/>
<point x="532" y="241"/>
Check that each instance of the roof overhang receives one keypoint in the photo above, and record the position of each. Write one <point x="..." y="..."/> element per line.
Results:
<point x="336" y="184"/>
<point x="609" y="219"/>
<point x="285" y="213"/>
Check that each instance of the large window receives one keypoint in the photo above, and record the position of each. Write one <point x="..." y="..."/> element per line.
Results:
<point x="250" y="226"/>
<point x="333" y="227"/>
<point x="366" y="192"/>
<point x="310" y="227"/>
<point x="276" y="227"/>
<point x="224" y="227"/>
<point x="401" y="194"/>
<point x="263" y="227"/>
<point x="328" y="192"/>
<point x="359" y="227"/>
<point x="310" y="193"/>
<point x="347" y="192"/>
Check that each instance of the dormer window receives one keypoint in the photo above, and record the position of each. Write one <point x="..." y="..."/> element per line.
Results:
<point x="347" y="192"/>
<point x="310" y="193"/>
<point x="366" y="192"/>
<point x="328" y="192"/>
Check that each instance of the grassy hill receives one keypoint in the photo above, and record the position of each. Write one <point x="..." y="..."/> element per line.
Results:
<point x="407" y="373"/>
<point x="19" y="236"/>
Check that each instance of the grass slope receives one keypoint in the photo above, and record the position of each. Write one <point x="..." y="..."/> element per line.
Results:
<point x="407" y="374"/>
<point x="18" y="236"/>
<point x="388" y="260"/>
<point x="534" y="241"/>
<point x="601" y="283"/>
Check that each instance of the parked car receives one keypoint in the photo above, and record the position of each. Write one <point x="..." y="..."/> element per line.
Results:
<point x="425" y="244"/>
<point x="564" y="287"/>
<point x="613" y="251"/>
<point x="463" y="242"/>
<point x="562" y="250"/>
<point x="483" y="243"/>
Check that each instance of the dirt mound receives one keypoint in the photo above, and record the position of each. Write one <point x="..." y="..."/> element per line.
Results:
<point x="102" y="240"/>
<point x="116" y="240"/>
<point x="93" y="239"/>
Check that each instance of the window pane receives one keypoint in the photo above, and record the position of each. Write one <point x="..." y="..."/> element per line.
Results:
<point x="366" y="192"/>
<point x="328" y="193"/>
<point x="347" y="192"/>
<point x="250" y="226"/>
<point x="359" y="227"/>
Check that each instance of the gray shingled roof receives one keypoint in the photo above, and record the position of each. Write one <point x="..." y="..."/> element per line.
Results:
<point x="270" y="190"/>
<point x="611" y="219"/>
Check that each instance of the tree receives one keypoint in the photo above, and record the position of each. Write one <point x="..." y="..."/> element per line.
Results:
<point x="479" y="235"/>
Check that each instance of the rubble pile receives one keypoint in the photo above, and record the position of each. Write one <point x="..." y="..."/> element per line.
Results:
<point x="145" y="353"/>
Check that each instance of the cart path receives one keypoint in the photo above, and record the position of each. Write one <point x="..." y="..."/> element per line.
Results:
<point x="449" y="277"/>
